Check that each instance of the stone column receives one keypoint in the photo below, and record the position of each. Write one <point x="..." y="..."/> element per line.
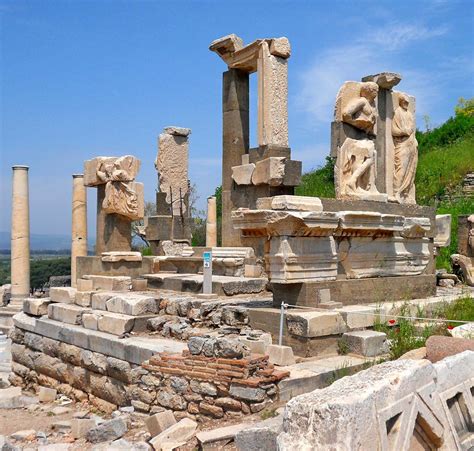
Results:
<point x="79" y="223"/>
<point x="20" y="235"/>
<point x="235" y="108"/>
<point x="211" y="222"/>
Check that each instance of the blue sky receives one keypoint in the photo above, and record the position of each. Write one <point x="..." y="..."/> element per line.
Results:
<point x="87" y="78"/>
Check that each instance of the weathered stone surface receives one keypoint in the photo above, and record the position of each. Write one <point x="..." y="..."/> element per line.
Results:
<point x="386" y="80"/>
<point x="159" y="422"/>
<point x="94" y="361"/>
<point x="119" y="256"/>
<point x="84" y="285"/>
<point x="110" y="283"/>
<point x="280" y="47"/>
<point x="258" y="436"/>
<point x="368" y="343"/>
<point x="36" y="306"/>
<point x="270" y="171"/>
<point x="215" y="437"/>
<point x="247" y="393"/>
<point x="65" y="295"/>
<point x="439" y="347"/>
<point x="118" y="369"/>
<point x="99" y="300"/>
<point x="96" y="170"/>
<point x="81" y="426"/>
<point x="132" y="304"/>
<point x="399" y="392"/>
<point x="358" y="316"/>
<point x="280" y="355"/>
<point x="170" y="400"/>
<point x="66" y="313"/>
<point x="315" y="324"/>
<point x="296" y="203"/>
<point x="463" y="331"/>
<point x="211" y="410"/>
<point x="90" y="320"/>
<point x="172" y="166"/>
<point x="115" y="323"/>
<point x="83" y="298"/>
<point x="174" y="436"/>
<point x="242" y="175"/>
<point x="109" y="430"/>
<point x="46" y="394"/>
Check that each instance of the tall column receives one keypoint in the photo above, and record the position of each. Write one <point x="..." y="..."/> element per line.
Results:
<point x="235" y="107"/>
<point x="79" y="223"/>
<point x="20" y="235"/>
<point x="211" y="223"/>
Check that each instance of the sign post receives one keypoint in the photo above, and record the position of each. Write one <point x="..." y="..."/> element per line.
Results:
<point x="207" y="273"/>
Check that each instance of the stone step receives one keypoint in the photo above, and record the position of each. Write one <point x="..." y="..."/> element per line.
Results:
<point x="133" y="349"/>
<point x="126" y="303"/>
<point x="192" y="283"/>
<point x="104" y="321"/>
<point x="114" y="323"/>
<point x="110" y="283"/>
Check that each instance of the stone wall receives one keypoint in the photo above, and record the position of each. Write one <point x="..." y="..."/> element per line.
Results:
<point x="192" y="385"/>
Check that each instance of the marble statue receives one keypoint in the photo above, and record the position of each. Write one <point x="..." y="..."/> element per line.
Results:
<point x="355" y="169"/>
<point x="405" y="151"/>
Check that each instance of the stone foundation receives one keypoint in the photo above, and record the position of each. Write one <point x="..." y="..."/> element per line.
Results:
<point x="355" y="291"/>
<point x="194" y="386"/>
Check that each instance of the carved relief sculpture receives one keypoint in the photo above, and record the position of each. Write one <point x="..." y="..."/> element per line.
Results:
<point x="355" y="169"/>
<point x="405" y="151"/>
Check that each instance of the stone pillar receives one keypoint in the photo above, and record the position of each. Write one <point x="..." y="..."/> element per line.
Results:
<point x="211" y="222"/>
<point x="114" y="232"/>
<point x="272" y="98"/>
<point x="79" y="223"/>
<point x="20" y="235"/>
<point x="235" y="108"/>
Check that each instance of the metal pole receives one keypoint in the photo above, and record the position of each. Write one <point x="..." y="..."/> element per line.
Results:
<point x="282" y="315"/>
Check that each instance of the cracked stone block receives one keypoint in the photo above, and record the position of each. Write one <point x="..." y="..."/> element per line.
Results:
<point x="115" y="323"/>
<point x="242" y="175"/>
<point x="84" y="285"/>
<point x="270" y="171"/>
<point x="159" y="422"/>
<point x="315" y="324"/>
<point x="66" y="313"/>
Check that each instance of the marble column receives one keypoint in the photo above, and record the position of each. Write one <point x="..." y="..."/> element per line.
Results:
<point x="79" y="223"/>
<point x="211" y="223"/>
<point x="235" y="107"/>
<point x="20" y="236"/>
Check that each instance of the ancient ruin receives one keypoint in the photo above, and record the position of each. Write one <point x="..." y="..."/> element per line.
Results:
<point x="302" y="291"/>
<point x="464" y="259"/>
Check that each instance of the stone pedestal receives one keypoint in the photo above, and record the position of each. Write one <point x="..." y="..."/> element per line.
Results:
<point x="79" y="223"/>
<point x="20" y="236"/>
<point x="211" y="223"/>
<point x="114" y="232"/>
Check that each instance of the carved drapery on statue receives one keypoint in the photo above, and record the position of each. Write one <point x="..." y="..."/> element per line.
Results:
<point x="405" y="151"/>
<point x="373" y="140"/>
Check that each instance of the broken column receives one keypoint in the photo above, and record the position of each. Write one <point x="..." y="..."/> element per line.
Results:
<point x="172" y="221"/>
<point x="211" y="223"/>
<point x="79" y="223"/>
<point x="248" y="174"/>
<point x="119" y="200"/>
<point x="20" y="237"/>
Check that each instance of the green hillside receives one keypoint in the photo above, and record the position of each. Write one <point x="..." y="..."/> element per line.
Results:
<point x="446" y="155"/>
